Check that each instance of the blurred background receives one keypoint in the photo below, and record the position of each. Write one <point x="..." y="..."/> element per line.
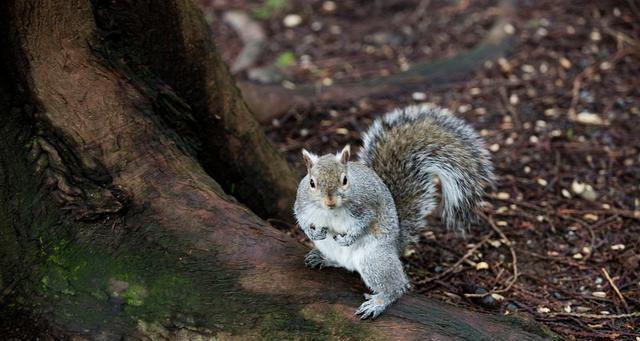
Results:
<point x="554" y="88"/>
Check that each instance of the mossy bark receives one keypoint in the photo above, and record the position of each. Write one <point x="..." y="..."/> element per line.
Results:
<point x="113" y="229"/>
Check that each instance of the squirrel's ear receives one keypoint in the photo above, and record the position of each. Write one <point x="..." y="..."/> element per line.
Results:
<point x="344" y="155"/>
<point x="309" y="158"/>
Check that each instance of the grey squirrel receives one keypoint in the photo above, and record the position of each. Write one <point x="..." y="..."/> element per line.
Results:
<point x="361" y="215"/>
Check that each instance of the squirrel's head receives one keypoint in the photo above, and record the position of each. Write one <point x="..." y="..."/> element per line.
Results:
<point x="328" y="182"/>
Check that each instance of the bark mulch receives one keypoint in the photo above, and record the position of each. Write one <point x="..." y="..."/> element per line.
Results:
<point x="559" y="240"/>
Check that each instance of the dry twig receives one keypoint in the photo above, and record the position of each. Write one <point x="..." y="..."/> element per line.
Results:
<point x="615" y="288"/>
<point x="460" y="261"/>
<point x="599" y="316"/>
<point x="514" y="258"/>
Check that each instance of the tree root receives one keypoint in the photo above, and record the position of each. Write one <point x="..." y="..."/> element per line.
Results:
<point x="271" y="101"/>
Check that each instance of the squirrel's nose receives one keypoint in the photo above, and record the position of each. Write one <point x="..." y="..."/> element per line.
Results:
<point x="330" y="202"/>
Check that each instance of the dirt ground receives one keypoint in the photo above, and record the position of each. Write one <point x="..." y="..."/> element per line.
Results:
<point x="560" y="114"/>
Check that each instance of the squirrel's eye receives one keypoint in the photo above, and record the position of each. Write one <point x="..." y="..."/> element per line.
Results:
<point x="312" y="183"/>
<point x="344" y="180"/>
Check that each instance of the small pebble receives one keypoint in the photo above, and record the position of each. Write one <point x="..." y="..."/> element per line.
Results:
<point x="565" y="63"/>
<point x="551" y="112"/>
<point x="342" y="131"/>
<point x="590" y="216"/>
<point x="419" y="96"/>
<point x="599" y="294"/>
<point x="482" y="266"/>
<point x="409" y="251"/>
<point x="513" y="99"/>
<point x="509" y="29"/>
<point x="503" y="195"/>
<point x="577" y="187"/>
<point x="544" y="310"/>
<point x="329" y="6"/>
<point x="528" y="68"/>
<point x="618" y="247"/>
<point x="464" y="108"/>
<point x="292" y="20"/>
<point x="589" y="118"/>
<point x="497" y="297"/>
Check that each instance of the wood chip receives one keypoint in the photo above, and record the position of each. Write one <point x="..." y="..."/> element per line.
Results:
<point x="589" y="118"/>
<point x="544" y="310"/>
<point x="617" y="247"/>
<point x="590" y="216"/>
<point x="292" y="20"/>
<point x="482" y="266"/>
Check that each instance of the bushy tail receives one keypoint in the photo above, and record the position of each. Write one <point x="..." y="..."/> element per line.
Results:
<point x="408" y="148"/>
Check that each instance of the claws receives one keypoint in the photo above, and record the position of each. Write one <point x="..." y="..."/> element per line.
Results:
<point x="314" y="234"/>
<point x="343" y="239"/>
<point x="314" y="259"/>
<point x="372" y="307"/>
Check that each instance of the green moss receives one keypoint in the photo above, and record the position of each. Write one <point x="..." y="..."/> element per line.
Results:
<point x="270" y="8"/>
<point x="334" y="324"/>
<point x="285" y="59"/>
<point x="65" y="268"/>
<point x="135" y="295"/>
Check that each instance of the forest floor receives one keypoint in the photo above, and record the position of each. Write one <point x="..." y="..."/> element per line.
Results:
<point x="561" y="117"/>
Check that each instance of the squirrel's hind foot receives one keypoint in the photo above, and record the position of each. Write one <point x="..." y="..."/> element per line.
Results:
<point x="315" y="259"/>
<point x="372" y="307"/>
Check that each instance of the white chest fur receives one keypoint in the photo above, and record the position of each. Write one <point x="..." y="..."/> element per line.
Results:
<point x="349" y="257"/>
<point x="338" y="221"/>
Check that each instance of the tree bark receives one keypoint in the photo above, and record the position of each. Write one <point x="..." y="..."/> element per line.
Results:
<point x="111" y="228"/>
<point x="179" y="51"/>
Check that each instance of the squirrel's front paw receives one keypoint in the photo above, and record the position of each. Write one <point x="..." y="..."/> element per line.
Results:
<point x="344" y="239"/>
<point x="317" y="233"/>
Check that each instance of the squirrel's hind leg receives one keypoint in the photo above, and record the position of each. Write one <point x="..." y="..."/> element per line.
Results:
<point x="384" y="275"/>
<point x="315" y="259"/>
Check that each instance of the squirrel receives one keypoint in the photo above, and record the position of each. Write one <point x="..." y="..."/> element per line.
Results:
<point x="362" y="214"/>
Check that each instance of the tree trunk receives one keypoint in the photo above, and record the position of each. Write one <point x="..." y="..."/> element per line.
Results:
<point x="111" y="228"/>
<point x="179" y="51"/>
